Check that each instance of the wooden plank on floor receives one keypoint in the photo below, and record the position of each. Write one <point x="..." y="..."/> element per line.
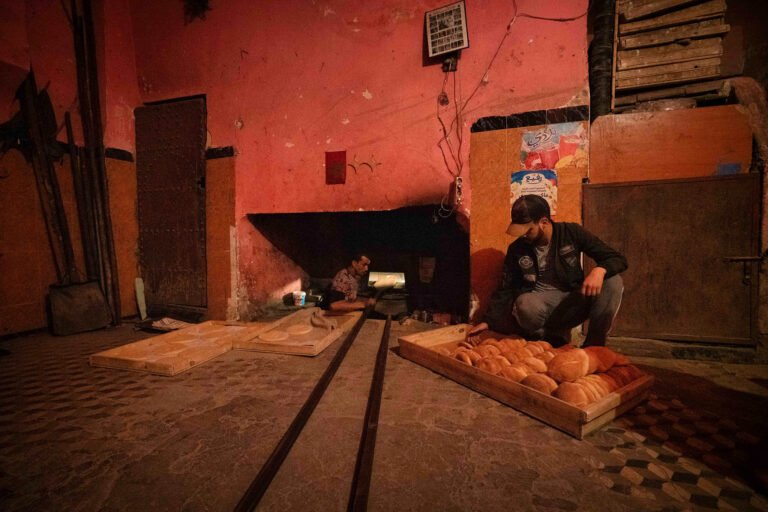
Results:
<point x="707" y="10"/>
<point x="172" y="353"/>
<point x="310" y="343"/>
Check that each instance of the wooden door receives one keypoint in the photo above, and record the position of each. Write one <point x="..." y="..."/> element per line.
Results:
<point x="170" y="166"/>
<point x="676" y="235"/>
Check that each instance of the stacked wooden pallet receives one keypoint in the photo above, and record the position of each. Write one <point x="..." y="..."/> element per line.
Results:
<point x="669" y="48"/>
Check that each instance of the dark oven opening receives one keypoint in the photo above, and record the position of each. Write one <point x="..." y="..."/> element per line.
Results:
<point x="412" y="240"/>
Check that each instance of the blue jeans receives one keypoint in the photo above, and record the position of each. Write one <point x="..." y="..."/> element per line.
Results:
<point x="553" y="313"/>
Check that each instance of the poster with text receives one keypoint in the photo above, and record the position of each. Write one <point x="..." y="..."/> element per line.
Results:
<point x="553" y="146"/>
<point x="542" y="183"/>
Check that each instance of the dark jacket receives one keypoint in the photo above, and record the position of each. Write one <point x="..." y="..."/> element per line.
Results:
<point x="521" y="267"/>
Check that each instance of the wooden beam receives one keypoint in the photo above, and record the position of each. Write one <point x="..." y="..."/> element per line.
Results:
<point x="669" y="35"/>
<point x="670" y="53"/>
<point x="669" y="78"/>
<point x="722" y="88"/>
<point x="707" y="10"/>
<point x="667" y="68"/>
<point x="639" y="9"/>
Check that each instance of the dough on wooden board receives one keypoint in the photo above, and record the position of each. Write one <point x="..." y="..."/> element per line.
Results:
<point x="298" y="329"/>
<point x="274" y="335"/>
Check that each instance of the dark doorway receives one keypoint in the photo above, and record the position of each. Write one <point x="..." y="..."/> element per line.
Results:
<point x="170" y="166"/>
<point x="399" y="240"/>
<point x="678" y="236"/>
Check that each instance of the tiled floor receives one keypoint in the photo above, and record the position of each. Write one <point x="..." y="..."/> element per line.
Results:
<point x="74" y="437"/>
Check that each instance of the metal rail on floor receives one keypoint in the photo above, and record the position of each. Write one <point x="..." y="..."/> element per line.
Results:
<point x="361" y="483"/>
<point x="259" y="486"/>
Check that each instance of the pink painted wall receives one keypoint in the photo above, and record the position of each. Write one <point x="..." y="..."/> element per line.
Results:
<point x="52" y="56"/>
<point x="117" y="73"/>
<point x="287" y="81"/>
<point x="14" y="54"/>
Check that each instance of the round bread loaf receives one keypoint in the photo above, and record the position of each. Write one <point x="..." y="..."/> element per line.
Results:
<point x="523" y="352"/>
<point x="473" y="355"/>
<point x="523" y="367"/>
<point x="540" y="382"/>
<point x="596" y="384"/>
<point x="588" y="391"/>
<point x="488" y="364"/>
<point x="601" y="359"/>
<point x="546" y="356"/>
<point x="487" y="350"/>
<point x="511" y="355"/>
<point x="513" y="372"/>
<point x="536" y="365"/>
<point x="463" y="357"/>
<point x="621" y="360"/>
<point x="545" y="345"/>
<point x="609" y="381"/>
<point x="568" y="366"/>
<point x="513" y="342"/>
<point x="503" y="361"/>
<point x="571" y="393"/>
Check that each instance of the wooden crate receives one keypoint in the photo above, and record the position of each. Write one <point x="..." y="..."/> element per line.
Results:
<point x="421" y="348"/>
<point x="309" y="344"/>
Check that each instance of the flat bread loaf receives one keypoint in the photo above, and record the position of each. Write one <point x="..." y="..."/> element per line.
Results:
<point x="274" y="335"/>
<point x="298" y="329"/>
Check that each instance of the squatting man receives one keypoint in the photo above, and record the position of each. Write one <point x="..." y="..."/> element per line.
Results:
<point x="543" y="292"/>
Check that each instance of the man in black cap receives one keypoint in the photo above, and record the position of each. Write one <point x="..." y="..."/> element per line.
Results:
<point x="544" y="292"/>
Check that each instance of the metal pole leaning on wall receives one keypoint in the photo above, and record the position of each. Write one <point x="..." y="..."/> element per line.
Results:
<point x="90" y="114"/>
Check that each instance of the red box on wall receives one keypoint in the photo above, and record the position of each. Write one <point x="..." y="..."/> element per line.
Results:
<point x="335" y="167"/>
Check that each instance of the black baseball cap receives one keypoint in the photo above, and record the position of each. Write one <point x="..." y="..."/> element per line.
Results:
<point x="527" y="210"/>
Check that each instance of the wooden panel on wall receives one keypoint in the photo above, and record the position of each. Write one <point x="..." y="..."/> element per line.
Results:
<point x="125" y="228"/>
<point x="490" y="161"/>
<point x="683" y="143"/>
<point x="220" y="221"/>
<point x="494" y="156"/>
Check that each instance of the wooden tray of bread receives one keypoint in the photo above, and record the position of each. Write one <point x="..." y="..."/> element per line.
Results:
<point x="306" y="332"/>
<point x="174" y="352"/>
<point x="575" y="390"/>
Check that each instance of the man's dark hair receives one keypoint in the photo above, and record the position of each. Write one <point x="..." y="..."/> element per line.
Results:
<point x="529" y="208"/>
<point x="360" y="255"/>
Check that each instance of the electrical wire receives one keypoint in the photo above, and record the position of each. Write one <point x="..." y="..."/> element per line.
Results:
<point x="460" y="111"/>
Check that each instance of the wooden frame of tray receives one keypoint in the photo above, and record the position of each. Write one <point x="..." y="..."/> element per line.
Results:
<point x="174" y="352"/>
<point x="309" y="344"/>
<point x="578" y="422"/>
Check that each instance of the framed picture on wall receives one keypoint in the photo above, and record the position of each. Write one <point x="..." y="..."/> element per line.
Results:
<point x="446" y="29"/>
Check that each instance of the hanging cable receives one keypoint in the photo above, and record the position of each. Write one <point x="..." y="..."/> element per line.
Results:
<point x="456" y="122"/>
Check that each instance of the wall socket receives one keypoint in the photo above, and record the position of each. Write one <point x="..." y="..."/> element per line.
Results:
<point x="458" y="190"/>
